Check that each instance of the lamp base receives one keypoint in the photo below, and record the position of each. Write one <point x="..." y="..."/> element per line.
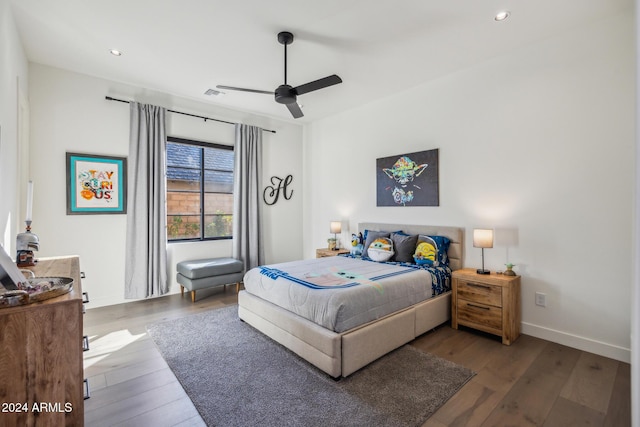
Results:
<point x="25" y="259"/>
<point x="481" y="271"/>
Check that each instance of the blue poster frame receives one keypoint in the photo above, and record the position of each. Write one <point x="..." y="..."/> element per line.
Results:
<point x="92" y="191"/>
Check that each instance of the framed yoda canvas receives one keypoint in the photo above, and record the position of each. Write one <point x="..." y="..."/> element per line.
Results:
<point x="409" y="179"/>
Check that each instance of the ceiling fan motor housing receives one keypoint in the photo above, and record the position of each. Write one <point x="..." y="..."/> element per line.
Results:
<point x="285" y="94"/>
<point x="285" y="37"/>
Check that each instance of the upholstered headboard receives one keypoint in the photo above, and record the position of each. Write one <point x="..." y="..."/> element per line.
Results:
<point x="455" y="235"/>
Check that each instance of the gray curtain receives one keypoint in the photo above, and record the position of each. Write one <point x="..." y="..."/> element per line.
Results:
<point x="146" y="250"/>
<point x="247" y="204"/>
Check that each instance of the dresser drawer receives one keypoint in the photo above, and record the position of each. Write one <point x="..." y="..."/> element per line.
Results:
<point x="480" y="292"/>
<point x="482" y="316"/>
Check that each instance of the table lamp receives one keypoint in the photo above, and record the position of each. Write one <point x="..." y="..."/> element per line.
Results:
<point x="335" y="228"/>
<point x="482" y="238"/>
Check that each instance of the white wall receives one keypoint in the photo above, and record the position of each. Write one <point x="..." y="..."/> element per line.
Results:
<point x="536" y="143"/>
<point x="69" y="113"/>
<point x="13" y="99"/>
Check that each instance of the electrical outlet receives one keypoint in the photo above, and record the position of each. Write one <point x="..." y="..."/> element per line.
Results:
<point x="541" y="299"/>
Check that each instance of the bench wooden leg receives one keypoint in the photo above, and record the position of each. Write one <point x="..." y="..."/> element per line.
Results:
<point x="237" y="287"/>
<point x="182" y="291"/>
<point x="193" y="296"/>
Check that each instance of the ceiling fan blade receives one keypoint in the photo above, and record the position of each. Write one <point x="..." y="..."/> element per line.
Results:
<point x="318" y="84"/>
<point x="241" y="89"/>
<point x="295" y="110"/>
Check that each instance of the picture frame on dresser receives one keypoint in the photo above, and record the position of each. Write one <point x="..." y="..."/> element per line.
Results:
<point x="10" y="274"/>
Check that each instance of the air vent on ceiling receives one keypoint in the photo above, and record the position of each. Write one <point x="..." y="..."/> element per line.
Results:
<point x="213" y="92"/>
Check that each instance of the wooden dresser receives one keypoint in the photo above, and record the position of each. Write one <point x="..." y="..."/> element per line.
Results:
<point x="489" y="303"/>
<point x="41" y="366"/>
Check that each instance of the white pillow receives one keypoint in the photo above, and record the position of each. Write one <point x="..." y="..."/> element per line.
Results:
<point x="381" y="249"/>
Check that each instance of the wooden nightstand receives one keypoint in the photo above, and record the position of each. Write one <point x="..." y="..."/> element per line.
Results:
<point x="489" y="303"/>
<point x="325" y="252"/>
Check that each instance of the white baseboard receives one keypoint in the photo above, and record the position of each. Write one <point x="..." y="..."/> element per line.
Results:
<point x="581" y="343"/>
<point x="113" y="300"/>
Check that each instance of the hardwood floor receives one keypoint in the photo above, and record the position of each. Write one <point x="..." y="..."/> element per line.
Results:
<point x="130" y="384"/>
<point x="530" y="383"/>
<point x="533" y="382"/>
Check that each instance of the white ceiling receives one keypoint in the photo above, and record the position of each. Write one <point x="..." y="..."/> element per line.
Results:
<point x="378" y="47"/>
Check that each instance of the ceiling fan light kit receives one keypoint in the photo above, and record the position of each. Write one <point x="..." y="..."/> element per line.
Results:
<point x="287" y="94"/>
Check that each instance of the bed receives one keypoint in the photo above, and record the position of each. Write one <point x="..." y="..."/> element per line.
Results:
<point x="341" y="350"/>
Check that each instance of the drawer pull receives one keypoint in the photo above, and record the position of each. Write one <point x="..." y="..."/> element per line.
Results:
<point x="85" y="297"/>
<point x="481" y="307"/>
<point x="82" y="275"/>
<point x="86" y="389"/>
<point x="476" y="285"/>
<point x="85" y="343"/>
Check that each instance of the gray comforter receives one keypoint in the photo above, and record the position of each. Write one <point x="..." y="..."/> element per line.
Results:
<point x="340" y="293"/>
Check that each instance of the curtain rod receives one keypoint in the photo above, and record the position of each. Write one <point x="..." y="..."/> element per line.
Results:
<point x="108" y="98"/>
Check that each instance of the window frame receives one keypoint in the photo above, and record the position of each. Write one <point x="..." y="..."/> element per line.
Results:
<point x="202" y="145"/>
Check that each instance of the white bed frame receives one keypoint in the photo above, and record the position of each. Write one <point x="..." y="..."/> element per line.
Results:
<point x="341" y="354"/>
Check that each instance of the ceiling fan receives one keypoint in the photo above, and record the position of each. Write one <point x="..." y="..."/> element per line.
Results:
<point x="286" y="94"/>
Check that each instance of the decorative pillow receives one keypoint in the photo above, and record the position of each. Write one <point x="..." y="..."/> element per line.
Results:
<point x="369" y="237"/>
<point x="433" y="249"/>
<point x="381" y="249"/>
<point x="404" y="246"/>
<point x="426" y="252"/>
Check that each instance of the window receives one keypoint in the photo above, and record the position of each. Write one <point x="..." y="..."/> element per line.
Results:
<point x="197" y="208"/>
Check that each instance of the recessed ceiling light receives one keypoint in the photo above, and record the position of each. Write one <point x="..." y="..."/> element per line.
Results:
<point x="501" y="16"/>
<point x="115" y="52"/>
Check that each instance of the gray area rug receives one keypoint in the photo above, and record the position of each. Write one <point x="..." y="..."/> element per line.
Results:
<point x="236" y="376"/>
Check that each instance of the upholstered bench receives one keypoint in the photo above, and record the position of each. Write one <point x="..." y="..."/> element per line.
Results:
<point x="207" y="273"/>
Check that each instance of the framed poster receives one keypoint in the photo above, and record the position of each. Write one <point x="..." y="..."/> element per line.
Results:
<point x="96" y="184"/>
<point x="10" y="274"/>
<point x="408" y="179"/>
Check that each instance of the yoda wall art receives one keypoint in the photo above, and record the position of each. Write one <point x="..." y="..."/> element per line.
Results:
<point x="408" y="179"/>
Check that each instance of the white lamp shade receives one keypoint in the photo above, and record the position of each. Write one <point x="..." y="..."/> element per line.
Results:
<point x="336" y="227"/>
<point x="482" y="238"/>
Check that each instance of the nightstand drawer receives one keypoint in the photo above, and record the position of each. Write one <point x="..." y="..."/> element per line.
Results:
<point x="480" y="292"/>
<point x="485" y="317"/>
